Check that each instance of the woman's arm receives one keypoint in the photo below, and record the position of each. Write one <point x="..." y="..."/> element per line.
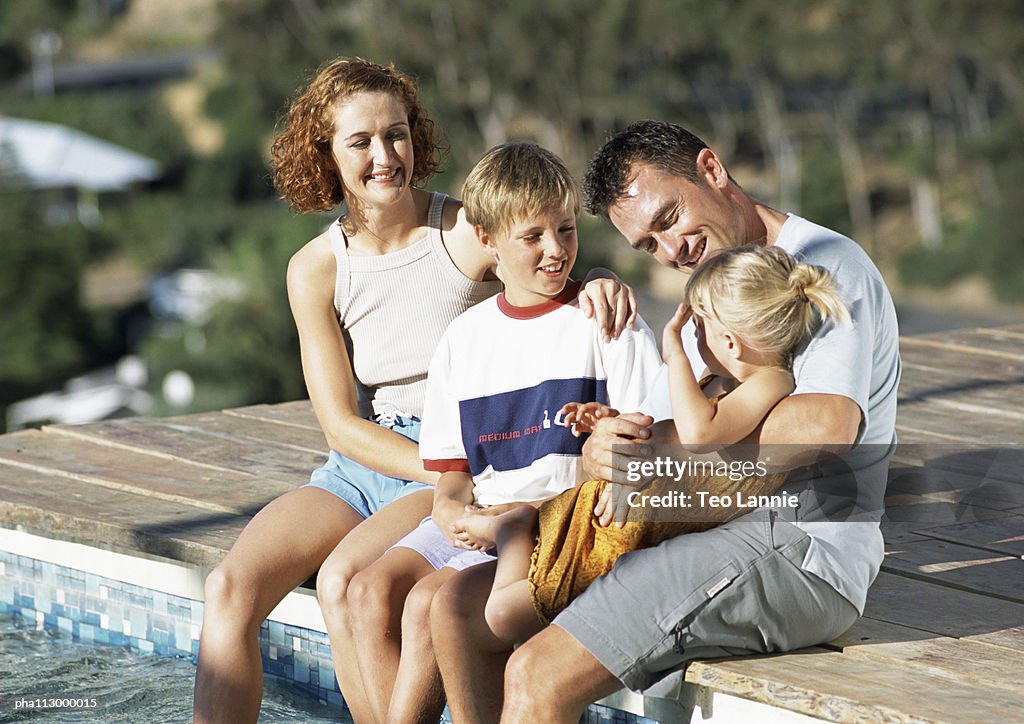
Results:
<point x="328" y="371"/>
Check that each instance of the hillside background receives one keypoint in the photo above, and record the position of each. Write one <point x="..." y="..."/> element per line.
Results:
<point x="896" y="123"/>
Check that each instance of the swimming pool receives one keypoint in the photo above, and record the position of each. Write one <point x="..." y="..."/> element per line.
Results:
<point x="114" y="684"/>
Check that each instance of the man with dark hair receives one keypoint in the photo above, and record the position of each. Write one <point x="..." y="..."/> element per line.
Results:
<point x="759" y="583"/>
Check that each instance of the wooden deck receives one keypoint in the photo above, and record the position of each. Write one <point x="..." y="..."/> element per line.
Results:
<point x="943" y="635"/>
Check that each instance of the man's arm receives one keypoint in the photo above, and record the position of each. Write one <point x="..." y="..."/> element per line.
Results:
<point x="828" y="423"/>
<point x="812" y="424"/>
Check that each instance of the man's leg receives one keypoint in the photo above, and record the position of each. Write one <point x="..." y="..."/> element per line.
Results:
<point x="471" y="659"/>
<point x="732" y="590"/>
<point x="553" y="678"/>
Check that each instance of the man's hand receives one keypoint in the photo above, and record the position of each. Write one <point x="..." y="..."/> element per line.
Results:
<point x="610" y="302"/>
<point x="612" y="505"/>
<point x="626" y="432"/>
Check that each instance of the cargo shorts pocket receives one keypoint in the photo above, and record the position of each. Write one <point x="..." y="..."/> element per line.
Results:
<point x="676" y="621"/>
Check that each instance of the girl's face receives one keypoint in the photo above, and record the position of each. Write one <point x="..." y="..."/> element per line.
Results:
<point x="372" y="148"/>
<point x="715" y="345"/>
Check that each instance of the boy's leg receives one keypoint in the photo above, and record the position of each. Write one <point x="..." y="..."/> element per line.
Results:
<point x="364" y="545"/>
<point x="418" y="694"/>
<point x="376" y="597"/>
<point x="471" y="659"/>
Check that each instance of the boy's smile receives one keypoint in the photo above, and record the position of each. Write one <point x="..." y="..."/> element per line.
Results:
<point x="535" y="256"/>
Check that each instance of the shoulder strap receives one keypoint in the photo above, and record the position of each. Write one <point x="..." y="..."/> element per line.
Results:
<point x="339" y="244"/>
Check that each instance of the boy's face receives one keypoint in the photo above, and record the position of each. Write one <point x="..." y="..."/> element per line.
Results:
<point x="535" y="256"/>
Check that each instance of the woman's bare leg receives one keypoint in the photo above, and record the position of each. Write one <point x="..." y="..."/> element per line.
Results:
<point x="418" y="695"/>
<point x="361" y="548"/>
<point x="281" y="547"/>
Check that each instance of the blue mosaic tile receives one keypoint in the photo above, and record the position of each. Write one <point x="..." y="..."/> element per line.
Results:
<point x="276" y="633"/>
<point x="301" y="669"/>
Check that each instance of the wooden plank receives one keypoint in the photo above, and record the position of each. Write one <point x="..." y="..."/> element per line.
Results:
<point x="923" y="382"/>
<point x="206" y="440"/>
<point x="992" y="340"/>
<point x="970" y="427"/>
<point x="991" y="471"/>
<point x="899" y="647"/>
<point x="1003" y="535"/>
<point x="58" y="507"/>
<point x="1014" y="329"/>
<point x="958" y="566"/>
<point x="180" y="481"/>
<point x="945" y="611"/>
<point x="297" y="413"/>
<point x="836" y="687"/>
<point x="969" y="344"/>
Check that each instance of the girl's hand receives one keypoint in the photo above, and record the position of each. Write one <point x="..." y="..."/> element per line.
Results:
<point x="610" y="302"/>
<point x="671" y="336"/>
<point x="582" y="417"/>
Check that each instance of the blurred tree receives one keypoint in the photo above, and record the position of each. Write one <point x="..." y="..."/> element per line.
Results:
<point x="43" y="325"/>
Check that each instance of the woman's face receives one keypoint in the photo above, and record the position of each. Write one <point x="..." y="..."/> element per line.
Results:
<point x="372" y="148"/>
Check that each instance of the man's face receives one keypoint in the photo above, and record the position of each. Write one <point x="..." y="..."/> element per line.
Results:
<point x="679" y="222"/>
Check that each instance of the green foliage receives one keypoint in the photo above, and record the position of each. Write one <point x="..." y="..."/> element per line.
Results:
<point x="248" y="351"/>
<point x="43" y="326"/>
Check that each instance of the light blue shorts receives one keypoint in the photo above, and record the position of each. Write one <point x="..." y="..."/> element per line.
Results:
<point x="366" y="490"/>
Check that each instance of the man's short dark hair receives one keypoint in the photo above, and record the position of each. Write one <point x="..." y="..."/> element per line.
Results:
<point x="666" y="146"/>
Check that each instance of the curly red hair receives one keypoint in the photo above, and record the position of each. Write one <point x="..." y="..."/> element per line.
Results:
<point x="304" y="170"/>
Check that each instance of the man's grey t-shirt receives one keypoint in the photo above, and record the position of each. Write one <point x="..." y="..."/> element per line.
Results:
<point x="859" y="361"/>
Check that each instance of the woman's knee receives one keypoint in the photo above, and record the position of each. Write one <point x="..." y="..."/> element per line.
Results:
<point x="332" y="585"/>
<point x="229" y="595"/>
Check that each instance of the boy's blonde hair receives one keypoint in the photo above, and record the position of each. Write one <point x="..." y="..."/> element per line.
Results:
<point x="515" y="181"/>
<point x="772" y="302"/>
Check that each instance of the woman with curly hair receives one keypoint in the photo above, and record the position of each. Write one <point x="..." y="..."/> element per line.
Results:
<point x="371" y="297"/>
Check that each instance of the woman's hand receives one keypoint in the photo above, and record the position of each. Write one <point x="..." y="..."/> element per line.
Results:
<point x="609" y="301"/>
<point x="582" y="417"/>
<point x="671" y="336"/>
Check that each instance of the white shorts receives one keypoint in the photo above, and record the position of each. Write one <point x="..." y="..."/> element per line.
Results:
<point x="428" y="540"/>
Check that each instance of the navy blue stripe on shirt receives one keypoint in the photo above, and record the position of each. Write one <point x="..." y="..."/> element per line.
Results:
<point x="511" y="430"/>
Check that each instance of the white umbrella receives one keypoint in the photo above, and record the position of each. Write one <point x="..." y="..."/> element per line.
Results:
<point x="48" y="155"/>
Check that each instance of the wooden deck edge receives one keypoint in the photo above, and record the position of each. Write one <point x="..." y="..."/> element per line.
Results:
<point x="106" y="536"/>
<point x="800" y="699"/>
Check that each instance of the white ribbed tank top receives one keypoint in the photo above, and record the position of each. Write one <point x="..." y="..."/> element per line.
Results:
<point x="393" y="309"/>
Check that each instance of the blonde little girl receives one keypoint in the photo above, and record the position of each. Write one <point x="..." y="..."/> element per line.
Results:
<point x="753" y="307"/>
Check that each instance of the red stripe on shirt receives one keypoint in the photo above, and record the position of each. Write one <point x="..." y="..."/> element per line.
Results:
<point x="453" y="465"/>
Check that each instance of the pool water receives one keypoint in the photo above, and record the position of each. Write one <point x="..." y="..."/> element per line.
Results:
<point x="128" y="686"/>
